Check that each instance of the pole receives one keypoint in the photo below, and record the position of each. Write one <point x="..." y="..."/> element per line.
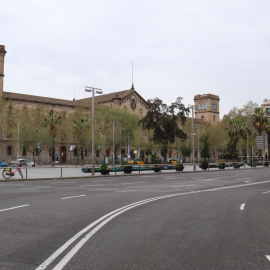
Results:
<point x="18" y="150"/>
<point x="198" y="144"/>
<point x="193" y="150"/>
<point x="93" y="132"/>
<point x="99" y="91"/>
<point x="113" y="145"/>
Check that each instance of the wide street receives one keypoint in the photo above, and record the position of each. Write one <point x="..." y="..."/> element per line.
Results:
<point x="191" y="220"/>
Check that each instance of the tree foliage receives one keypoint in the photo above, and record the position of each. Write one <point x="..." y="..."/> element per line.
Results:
<point x="164" y="122"/>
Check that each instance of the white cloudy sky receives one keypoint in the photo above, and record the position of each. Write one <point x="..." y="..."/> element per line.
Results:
<point x="179" y="48"/>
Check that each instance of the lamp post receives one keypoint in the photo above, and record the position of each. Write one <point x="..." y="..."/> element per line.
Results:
<point x="113" y="124"/>
<point x="98" y="91"/>
<point x="121" y="128"/>
<point x="139" y="154"/>
<point x="18" y="139"/>
<point x="193" y="150"/>
<point x="198" y="143"/>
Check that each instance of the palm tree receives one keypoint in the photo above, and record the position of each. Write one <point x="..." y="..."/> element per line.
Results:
<point x="80" y="128"/>
<point x="235" y="133"/>
<point x="51" y="121"/>
<point x="260" y="120"/>
<point x="260" y="123"/>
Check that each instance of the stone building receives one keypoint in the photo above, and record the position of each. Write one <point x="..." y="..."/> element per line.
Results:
<point x="129" y="100"/>
<point x="266" y="107"/>
<point x="207" y="107"/>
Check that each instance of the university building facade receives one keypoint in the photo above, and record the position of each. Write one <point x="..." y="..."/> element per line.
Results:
<point x="206" y="109"/>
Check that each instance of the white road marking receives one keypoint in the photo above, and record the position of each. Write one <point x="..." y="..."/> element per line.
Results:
<point x="268" y="257"/>
<point x="242" y="207"/>
<point x="33" y="187"/>
<point x="184" y="185"/>
<point x="98" y="185"/>
<point x="12" y="208"/>
<point x="105" y="219"/>
<point x="134" y="183"/>
<point x="241" y="179"/>
<point x="103" y="181"/>
<point x="73" y="197"/>
<point x="125" y="190"/>
<point x="265" y="192"/>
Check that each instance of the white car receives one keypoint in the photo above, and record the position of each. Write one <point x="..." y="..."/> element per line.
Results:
<point x="22" y="162"/>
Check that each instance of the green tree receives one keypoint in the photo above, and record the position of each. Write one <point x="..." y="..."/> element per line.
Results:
<point x="81" y="129"/>
<point x="51" y="121"/>
<point x="164" y="121"/>
<point x="205" y="153"/>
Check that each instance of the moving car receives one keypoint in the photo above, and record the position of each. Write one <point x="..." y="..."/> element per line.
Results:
<point x="22" y="162"/>
<point x="3" y="164"/>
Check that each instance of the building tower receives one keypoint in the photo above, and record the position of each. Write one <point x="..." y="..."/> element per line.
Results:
<point x="207" y="107"/>
<point x="2" y="57"/>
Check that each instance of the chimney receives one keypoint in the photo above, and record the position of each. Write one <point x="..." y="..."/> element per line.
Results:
<point x="2" y="57"/>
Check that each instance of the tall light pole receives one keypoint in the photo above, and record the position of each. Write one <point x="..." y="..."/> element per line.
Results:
<point x="121" y="128"/>
<point x="193" y="150"/>
<point x="113" y="124"/>
<point x="98" y="91"/>
<point x="139" y="154"/>
<point x="18" y="139"/>
<point x="198" y="143"/>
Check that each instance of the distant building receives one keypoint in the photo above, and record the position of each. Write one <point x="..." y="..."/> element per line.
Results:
<point x="266" y="107"/>
<point x="207" y="108"/>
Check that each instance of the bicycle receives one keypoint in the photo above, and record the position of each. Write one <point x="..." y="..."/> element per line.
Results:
<point x="7" y="172"/>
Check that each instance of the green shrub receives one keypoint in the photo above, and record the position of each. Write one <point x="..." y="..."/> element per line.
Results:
<point x="104" y="167"/>
<point x="204" y="164"/>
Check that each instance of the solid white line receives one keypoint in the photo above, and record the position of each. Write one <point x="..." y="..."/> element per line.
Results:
<point x="72" y="197"/>
<point x="103" y="181"/>
<point x="110" y="216"/>
<point x="92" y="185"/>
<point x="184" y="185"/>
<point x="14" y="207"/>
<point x="242" y="207"/>
<point x="124" y="190"/>
<point x="134" y="183"/>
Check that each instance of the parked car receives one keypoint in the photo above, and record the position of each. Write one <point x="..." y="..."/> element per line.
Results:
<point x="3" y="164"/>
<point x="22" y="162"/>
<point x="137" y="161"/>
<point x="172" y="161"/>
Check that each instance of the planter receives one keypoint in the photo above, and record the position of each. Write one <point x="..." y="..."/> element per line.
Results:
<point x="179" y="169"/>
<point x="266" y="163"/>
<point x="156" y="169"/>
<point x="104" y="172"/>
<point x="221" y="167"/>
<point x="127" y="170"/>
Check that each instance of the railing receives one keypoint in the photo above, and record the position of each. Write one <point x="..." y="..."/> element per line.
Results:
<point x="56" y="172"/>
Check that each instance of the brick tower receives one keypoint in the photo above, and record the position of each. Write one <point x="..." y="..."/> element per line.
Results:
<point x="2" y="57"/>
<point x="207" y="107"/>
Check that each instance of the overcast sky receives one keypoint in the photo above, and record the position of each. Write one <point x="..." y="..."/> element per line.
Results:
<point x="179" y="48"/>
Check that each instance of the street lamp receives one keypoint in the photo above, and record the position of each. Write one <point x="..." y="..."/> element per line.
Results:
<point x="121" y="128"/>
<point x="113" y="124"/>
<point x="198" y="142"/>
<point x="139" y="154"/>
<point x="193" y="150"/>
<point x="98" y="91"/>
<point x="18" y="141"/>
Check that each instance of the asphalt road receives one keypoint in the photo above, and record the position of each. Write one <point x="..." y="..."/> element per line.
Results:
<point x="203" y="220"/>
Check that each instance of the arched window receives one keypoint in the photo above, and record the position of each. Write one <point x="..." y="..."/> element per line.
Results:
<point x="9" y="151"/>
<point x="75" y="152"/>
<point x="24" y="151"/>
<point x="214" y="118"/>
<point x="202" y="117"/>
